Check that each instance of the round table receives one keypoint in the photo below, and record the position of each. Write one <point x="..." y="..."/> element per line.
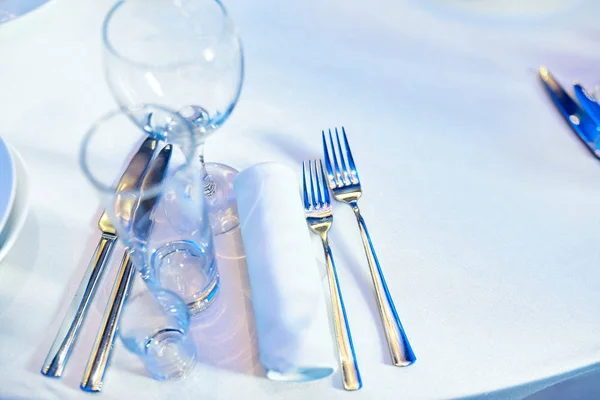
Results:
<point x="482" y="204"/>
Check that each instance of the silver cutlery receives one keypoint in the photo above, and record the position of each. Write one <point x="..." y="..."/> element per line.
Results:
<point x="67" y="334"/>
<point x="579" y="120"/>
<point x="319" y="216"/>
<point x="345" y="186"/>
<point x="93" y="377"/>
<point x="588" y="102"/>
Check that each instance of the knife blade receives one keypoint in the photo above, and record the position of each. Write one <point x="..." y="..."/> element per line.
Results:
<point x="579" y="120"/>
<point x="93" y="378"/>
<point x="588" y="102"/>
<point x="68" y="331"/>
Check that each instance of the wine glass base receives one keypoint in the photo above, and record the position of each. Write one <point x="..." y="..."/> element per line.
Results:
<point x="222" y="204"/>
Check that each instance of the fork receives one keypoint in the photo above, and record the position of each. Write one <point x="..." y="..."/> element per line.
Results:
<point x="319" y="216"/>
<point x="345" y="186"/>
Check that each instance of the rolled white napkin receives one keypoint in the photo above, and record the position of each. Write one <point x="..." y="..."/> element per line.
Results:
<point x="294" y="338"/>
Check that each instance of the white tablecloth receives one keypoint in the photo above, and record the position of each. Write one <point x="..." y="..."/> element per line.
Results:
<point x="482" y="205"/>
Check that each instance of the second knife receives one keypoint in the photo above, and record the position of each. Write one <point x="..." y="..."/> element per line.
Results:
<point x="66" y="336"/>
<point x="93" y="377"/>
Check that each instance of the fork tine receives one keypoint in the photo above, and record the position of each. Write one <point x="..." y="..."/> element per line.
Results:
<point x="331" y="181"/>
<point x="325" y="188"/>
<point x="319" y="180"/>
<point x="341" y="153"/>
<point x="312" y="185"/>
<point x="354" y="173"/>
<point x="304" y="190"/>
<point x="339" y="180"/>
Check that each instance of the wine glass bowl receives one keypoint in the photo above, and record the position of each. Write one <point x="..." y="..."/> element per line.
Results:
<point x="185" y="55"/>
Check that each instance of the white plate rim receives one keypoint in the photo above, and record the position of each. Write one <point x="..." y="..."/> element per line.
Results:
<point x="18" y="216"/>
<point x="13" y="183"/>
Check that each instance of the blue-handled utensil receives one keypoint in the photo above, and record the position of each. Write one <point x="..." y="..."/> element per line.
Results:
<point x="588" y="102"/>
<point x="582" y="123"/>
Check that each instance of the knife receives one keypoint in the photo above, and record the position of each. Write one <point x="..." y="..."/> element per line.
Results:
<point x="588" y="102"/>
<point x="93" y="377"/>
<point x="579" y="120"/>
<point x="67" y="334"/>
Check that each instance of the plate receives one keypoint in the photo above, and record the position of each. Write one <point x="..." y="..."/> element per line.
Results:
<point x="12" y="9"/>
<point x="18" y="214"/>
<point x="7" y="183"/>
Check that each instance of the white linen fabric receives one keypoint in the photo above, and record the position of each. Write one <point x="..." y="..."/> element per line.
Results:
<point x="482" y="205"/>
<point x="294" y="339"/>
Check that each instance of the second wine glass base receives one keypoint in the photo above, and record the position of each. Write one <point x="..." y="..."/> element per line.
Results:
<point x="170" y="354"/>
<point x="222" y="204"/>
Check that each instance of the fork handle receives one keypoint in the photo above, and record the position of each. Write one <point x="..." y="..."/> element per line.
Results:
<point x="350" y="372"/>
<point x="400" y="349"/>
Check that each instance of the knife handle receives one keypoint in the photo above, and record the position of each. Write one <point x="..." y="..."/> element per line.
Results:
<point x="69" y="328"/>
<point x="96" y="367"/>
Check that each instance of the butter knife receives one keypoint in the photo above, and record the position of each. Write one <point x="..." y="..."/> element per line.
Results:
<point x="579" y="120"/>
<point x="93" y="377"/>
<point x="66" y="337"/>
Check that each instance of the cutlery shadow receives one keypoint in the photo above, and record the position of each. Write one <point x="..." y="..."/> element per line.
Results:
<point x="293" y="149"/>
<point x="367" y="291"/>
<point x="225" y="334"/>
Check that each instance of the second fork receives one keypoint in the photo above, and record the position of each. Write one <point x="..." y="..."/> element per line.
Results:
<point x="319" y="216"/>
<point x="344" y="183"/>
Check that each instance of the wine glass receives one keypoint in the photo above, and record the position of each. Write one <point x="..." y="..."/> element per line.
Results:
<point x="157" y="205"/>
<point x="184" y="55"/>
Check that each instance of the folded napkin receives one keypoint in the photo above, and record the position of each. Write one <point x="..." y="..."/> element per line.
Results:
<point x="294" y="337"/>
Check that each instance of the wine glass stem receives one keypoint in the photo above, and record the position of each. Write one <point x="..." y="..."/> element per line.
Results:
<point x="209" y="184"/>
